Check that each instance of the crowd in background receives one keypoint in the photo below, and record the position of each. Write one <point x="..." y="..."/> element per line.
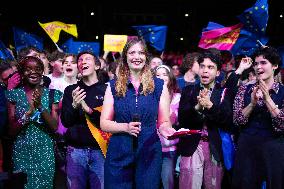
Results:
<point x="49" y="102"/>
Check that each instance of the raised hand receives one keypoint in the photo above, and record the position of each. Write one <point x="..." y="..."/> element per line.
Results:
<point x="78" y="95"/>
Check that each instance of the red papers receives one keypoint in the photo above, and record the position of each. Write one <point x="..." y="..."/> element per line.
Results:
<point x="183" y="132"/>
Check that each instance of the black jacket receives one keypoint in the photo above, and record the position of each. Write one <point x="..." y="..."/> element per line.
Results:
<point x="78" y="133"/>
<point x="218" y="116"/>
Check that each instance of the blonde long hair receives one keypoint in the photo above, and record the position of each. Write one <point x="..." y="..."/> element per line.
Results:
<point x="146" y="76"/>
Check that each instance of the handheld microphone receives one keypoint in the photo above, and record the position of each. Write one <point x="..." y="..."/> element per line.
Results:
<point x="135" y="118"/>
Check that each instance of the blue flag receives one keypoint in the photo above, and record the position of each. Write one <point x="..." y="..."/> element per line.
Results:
<point x="5" y="53"/>
<point x="248" y="42"/>
<point x="75" y="47"/>
<point x="281" y="53"/>
<point x="23" y="39"/>
<point x="212" y="26"/>
<point x="255" y="18"/>
<point x="155" y="35"/>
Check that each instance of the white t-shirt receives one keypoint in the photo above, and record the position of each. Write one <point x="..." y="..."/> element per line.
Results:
<point x="57" y="83"/>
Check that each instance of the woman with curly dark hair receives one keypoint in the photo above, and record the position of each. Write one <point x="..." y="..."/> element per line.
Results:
<point x="33" y="120"/>
<point x="259" y="113"/>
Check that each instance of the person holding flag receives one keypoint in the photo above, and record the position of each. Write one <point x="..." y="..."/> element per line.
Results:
<point x="81" y="106"/>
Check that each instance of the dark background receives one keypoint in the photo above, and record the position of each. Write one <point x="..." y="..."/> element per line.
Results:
<point x="118" y="17"/>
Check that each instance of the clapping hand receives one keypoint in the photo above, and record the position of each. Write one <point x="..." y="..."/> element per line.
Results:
<point x="204" y="99"/>
<point x="78" y="96"/>
<point x="264" y="90"/>
<point x="36" y="98"/>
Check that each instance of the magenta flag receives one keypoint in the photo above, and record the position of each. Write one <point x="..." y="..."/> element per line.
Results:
<point x="221" y="38"/>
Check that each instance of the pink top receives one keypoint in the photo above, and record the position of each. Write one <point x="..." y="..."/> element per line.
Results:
<point x="170" y="145"/>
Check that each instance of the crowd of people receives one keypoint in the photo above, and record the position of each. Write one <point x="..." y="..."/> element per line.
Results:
<point x="80" y="121"/>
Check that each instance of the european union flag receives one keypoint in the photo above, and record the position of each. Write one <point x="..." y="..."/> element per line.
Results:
<point x="75" y="47"/>
<point x="281" y="53"/>
<point x="5" y="53"/>
<point x="255" y="18"/>
<point x="212" y="26"/>
<point x="24" y="39"/>
<point x="155" y="35"/>
<point x="247" y="43"/>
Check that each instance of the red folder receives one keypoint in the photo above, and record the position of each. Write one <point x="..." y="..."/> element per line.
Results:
<point x="181" y="133"/>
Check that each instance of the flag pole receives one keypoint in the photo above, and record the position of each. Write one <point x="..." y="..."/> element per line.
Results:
<point x="261" y="44"/>
<point x="58" y="48"/>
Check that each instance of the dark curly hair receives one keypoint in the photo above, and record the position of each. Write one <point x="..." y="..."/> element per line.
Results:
<point x="214" y="55"/>
<point x="23" y="62"/>
<point x="271" y="54"/>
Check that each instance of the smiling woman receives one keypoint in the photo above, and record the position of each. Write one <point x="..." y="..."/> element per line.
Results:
<point x="33" y="121"/>
<point x="134" y="102"/>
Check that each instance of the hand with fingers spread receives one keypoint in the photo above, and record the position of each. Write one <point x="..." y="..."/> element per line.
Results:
<point x="133" y="128"/>
<point x="78" y="95"/>
<point x="204" y="99"/>
<point x="202" y="93"/>
<point x="14" y="81"/>
<point x="264" y="89"/>
<point x="244" y="65"/>
<point x="254" y="97"/>
<point x="36" y="98"/>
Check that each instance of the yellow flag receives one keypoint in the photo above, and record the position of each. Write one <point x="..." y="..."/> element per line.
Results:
<point x="114" y="43"/>
<point x="100" y="136"/>
<point x="53" y="29"/>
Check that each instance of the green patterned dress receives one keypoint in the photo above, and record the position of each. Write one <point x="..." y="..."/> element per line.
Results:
<point x="33" y="151"/>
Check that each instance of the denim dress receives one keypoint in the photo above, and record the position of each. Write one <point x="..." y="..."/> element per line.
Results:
<point x="130" y="163"/>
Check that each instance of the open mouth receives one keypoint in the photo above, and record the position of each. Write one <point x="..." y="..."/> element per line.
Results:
<point x="69" y="70"/>
<point x="260" y="73"/>
<point x="85" y="67"/>
<point x="34" y="78"/>
<point x="204" y="77"/>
